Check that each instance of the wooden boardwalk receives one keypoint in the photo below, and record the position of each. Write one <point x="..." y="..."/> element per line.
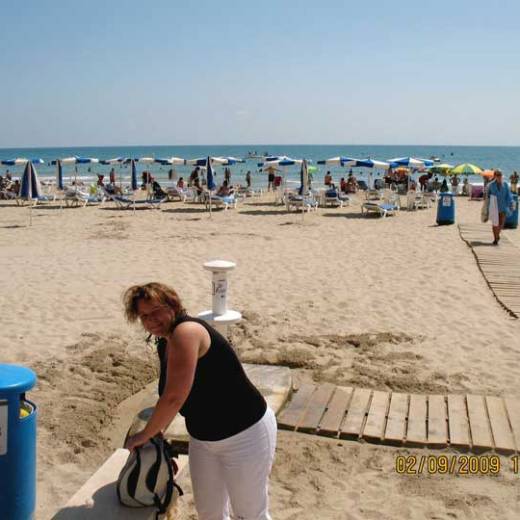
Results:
<point x="500" y="264"/>
<point x="466" y="422"/>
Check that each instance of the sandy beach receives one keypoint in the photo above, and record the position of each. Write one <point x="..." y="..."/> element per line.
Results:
<point x="396" y="303"/>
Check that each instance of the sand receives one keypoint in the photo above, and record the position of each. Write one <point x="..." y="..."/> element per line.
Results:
<point x="395" y="303"/>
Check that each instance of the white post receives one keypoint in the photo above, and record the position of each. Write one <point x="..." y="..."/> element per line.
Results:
<point x="220" y="316"/>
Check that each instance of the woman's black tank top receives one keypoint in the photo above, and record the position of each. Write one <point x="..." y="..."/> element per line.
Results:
<point x="222" y="401"/>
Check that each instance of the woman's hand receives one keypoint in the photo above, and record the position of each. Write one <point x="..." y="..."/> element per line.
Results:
<point x="134" y="441"/>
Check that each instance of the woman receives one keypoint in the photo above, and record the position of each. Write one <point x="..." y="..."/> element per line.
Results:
<point x="500" y="204"/>
<point x="232" y="430"/>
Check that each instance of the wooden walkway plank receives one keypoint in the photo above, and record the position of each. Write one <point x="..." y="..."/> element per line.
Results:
<point x="513" y="411"/>
<point x="458" y="422"/>
<point x="335" y="413"/>
<point x="416" y="434"/>
<point x="376" y="419"/>
<point x="499" y="266"/>
<point x="353" y="425"/>
<point x="481" y="438"/>
<point x="396" y="424"/>
<point x="290" y="418"/>
<point x="502" y="433"/>
<point x="316" y="408"/>
<point x="437" y="422"/>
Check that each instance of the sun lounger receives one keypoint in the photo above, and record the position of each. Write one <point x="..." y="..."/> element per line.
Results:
<point x="297" y="201"/>
<point x="379" y="209"/>
<point x="226" y="202"/>
<point x="126" y="203"/>
<point x="73" y="198"/>
<point x="42" y="199"/>
<point x="334" y="198"/>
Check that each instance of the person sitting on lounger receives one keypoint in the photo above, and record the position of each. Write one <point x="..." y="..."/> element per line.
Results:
<point x="180" y="183"/>
<point x="224" y="190"/>
<point x="158" y="192"/>
<point x="352" y="184"/>
<point x="328" y="179"/>
<point x="343" y="185"/>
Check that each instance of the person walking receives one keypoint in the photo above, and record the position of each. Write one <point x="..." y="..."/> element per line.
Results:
<point x="499" y="202"/>
<point x="232" y="430"/>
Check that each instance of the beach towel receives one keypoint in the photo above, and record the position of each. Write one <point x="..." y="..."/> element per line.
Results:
<point x="493" y="210"/>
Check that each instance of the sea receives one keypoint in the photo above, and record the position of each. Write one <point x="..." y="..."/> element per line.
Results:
<point x="505" y="158"/>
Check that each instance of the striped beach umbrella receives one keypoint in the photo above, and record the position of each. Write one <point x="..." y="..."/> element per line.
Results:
<point x="22" y="160"/>
<point x="30" y="187"/>
<point x="370" y="163"/>
<point x="86" y="160"/>
<point x="410" y="162"/>
<point x="170" y="160"/>
<point x="466" y="169"/>
<point x="209" y="175"/>
<point x="134" y="176"/>
<point x="59" y="175"/>
<point x="341" y="161"/>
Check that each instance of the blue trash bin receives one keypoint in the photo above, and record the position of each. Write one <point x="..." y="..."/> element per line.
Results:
<point x="17" y="444"/>
<point x="512" y="221"/>
<point x="446" y="209"/>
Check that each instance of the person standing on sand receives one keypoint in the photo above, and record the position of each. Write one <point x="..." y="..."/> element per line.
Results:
<point x="232" y="430"/>
<point x="500" y="204"/>
<point x="248" y="178"/>
<point x="513" y="179"/>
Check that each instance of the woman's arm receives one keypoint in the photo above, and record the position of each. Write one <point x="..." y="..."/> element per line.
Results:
<point x="183" y="352"/>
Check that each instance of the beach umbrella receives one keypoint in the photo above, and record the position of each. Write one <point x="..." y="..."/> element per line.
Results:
<point x="488" y="174"/>
<point x="410" y="162"/>
<point x="22" y="160"/>
<point x="466" y="169"/>
<point x="115" y="160"/>
<point x="170" y="160"/>
<point x="203" y="161"/>
<point x="304" y="179"/>
<point x="209" y="176"/>
<point x="86" y="160"/>
<point x="370" y="163"/>
<point x="342" y="161"/>
<point x="134" y="176"/>
<point x="30" y="187"/>
<point x="59" y="175"/>
<point x="210" y="182"/>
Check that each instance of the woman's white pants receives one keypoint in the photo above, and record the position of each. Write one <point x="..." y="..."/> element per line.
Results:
<point x="234" y="472"/>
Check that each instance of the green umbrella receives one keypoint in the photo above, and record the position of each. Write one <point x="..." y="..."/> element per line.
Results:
<point x="466" y="169"/>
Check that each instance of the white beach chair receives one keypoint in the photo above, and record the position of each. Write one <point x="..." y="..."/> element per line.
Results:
<point x="296" y="202"/>
<point x="334" y="198"/>
<point x="382" y="210"/>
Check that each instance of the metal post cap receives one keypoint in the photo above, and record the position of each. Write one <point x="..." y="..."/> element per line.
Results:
<point x="219" y="265"/>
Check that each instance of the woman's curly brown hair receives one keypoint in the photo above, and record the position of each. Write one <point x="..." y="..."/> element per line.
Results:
<point x="155" y="291"/>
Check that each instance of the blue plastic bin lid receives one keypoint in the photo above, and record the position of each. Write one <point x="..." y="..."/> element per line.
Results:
<point x="16" y="379"/>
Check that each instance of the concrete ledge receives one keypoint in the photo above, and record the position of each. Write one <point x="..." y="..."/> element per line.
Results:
<point x="97" y="498"/>
<point x="274" y="382"/>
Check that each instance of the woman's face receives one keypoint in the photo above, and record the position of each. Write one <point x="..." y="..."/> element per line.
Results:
<point x="155" y="316"/>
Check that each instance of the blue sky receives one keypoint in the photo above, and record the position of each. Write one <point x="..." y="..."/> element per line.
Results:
<point x="238" y="72"/>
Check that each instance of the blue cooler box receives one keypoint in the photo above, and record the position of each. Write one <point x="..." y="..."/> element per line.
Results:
<point x="446" y="209"/>
<point x="512" y="221"/>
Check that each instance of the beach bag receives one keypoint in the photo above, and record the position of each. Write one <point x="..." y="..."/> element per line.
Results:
<point x="148" y="477"/>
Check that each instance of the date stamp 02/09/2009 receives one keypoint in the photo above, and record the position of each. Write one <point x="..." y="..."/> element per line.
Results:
<point x="455" y="465"/>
